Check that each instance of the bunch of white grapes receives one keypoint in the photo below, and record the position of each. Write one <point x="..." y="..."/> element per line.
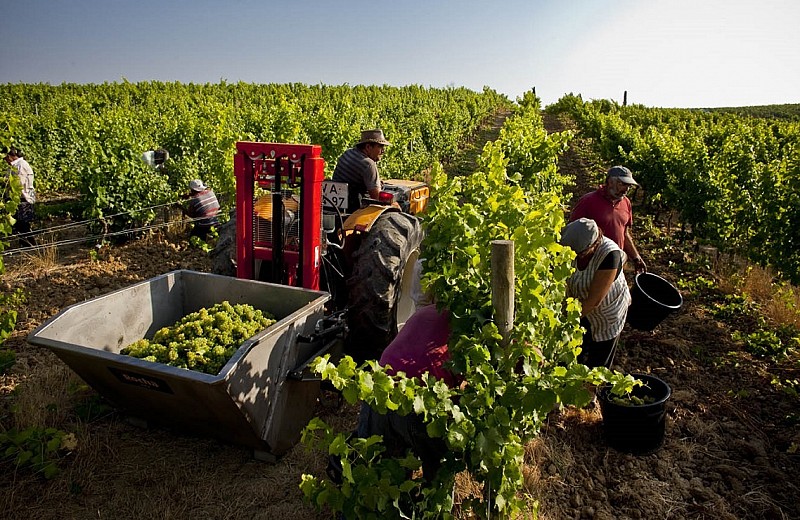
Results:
<point x="204" y="340"/>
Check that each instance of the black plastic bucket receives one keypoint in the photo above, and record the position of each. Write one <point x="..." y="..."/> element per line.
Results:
<point x="637" y="429"/>
<point x="652" y="300"/>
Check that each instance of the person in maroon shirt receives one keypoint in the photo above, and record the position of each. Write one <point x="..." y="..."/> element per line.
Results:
<point x="420" y="347"/>
<point x="202" y="207"/>
<point x="611" y="209"/>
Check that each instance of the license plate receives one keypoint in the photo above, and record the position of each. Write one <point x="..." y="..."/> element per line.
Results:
<point x="334" y="195"/>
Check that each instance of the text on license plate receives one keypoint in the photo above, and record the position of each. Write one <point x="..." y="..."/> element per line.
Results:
<point x="334" y="194"/>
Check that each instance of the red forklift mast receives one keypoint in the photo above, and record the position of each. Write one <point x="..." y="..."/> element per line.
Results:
<point x="279" y="169"/>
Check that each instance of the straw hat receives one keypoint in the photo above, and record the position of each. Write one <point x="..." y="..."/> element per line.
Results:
<point x="373" y="136"/>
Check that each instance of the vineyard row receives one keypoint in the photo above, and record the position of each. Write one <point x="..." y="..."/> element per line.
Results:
<point x="733" y="179"/>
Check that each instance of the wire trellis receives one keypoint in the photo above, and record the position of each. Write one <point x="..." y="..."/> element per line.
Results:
<point x="53" y="230"/>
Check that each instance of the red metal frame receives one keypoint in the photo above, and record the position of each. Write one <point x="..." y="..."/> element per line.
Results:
<point x="299" y="164"/>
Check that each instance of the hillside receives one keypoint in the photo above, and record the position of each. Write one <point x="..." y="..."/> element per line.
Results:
<point x="788" y="112"/>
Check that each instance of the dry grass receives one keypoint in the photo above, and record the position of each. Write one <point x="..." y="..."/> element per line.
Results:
<point x="779" y="301"/>
<point x="44" y="258"/>
<point x="44" y="397"/>
<point x="784" y="306"/>
<point x="545" y="462"/>
<point x="119" y="470"/>
<point x="552" y="462"/>
<point x="758" y="283"/>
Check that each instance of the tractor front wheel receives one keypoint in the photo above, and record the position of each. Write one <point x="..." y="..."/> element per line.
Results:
<point x="379" y="288"/>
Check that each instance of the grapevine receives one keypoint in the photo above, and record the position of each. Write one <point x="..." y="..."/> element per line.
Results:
<point x="87" y="139"/>
<point x="10" y="192"/>
<point x="733" y="179"/>
<point x="203" y="340"/>
<point x="509" y="387"/>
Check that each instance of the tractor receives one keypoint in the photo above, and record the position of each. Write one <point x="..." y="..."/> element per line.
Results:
<point x="293" y="227"/>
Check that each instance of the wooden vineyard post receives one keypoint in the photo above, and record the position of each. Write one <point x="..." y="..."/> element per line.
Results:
<point x="503" y="286"/>
<point x="503" y="306"/>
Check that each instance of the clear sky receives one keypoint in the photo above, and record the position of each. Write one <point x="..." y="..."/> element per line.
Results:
<point x="668" y="53"/>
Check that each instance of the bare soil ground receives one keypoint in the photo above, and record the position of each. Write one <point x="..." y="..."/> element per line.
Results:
<point x="728" y="453"/>
<point x="730" y="432"/>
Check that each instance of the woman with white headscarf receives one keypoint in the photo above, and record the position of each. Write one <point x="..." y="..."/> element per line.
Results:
<point x="599" y="284"/>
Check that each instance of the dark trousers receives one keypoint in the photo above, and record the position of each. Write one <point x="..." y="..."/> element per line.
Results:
<point x="596" y="353"/>
<point x="24" y="216"/>
<point x="402" y="432"/>
<point x="200" y="231"/>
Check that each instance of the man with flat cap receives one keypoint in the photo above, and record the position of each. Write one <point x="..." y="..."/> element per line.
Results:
<point x="611" y="209"/>
<point x="358" y="167"/>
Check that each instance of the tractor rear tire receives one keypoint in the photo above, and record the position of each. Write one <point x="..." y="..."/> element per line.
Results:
<point x="223" y="256"/>
<point x="380" y="282"/>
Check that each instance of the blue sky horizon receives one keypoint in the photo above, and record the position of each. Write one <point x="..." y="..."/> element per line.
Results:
<point x="677" y="53"/>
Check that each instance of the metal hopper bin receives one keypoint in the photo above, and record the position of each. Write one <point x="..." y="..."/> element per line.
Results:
<point x="257" y="400"/>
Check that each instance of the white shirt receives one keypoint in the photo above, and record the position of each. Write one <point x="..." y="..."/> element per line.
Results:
<point x="608" y="318"/>
<point x="23" y="170"/>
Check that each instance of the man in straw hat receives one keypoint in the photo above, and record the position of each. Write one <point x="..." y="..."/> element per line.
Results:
<point x="358" y="167"/>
